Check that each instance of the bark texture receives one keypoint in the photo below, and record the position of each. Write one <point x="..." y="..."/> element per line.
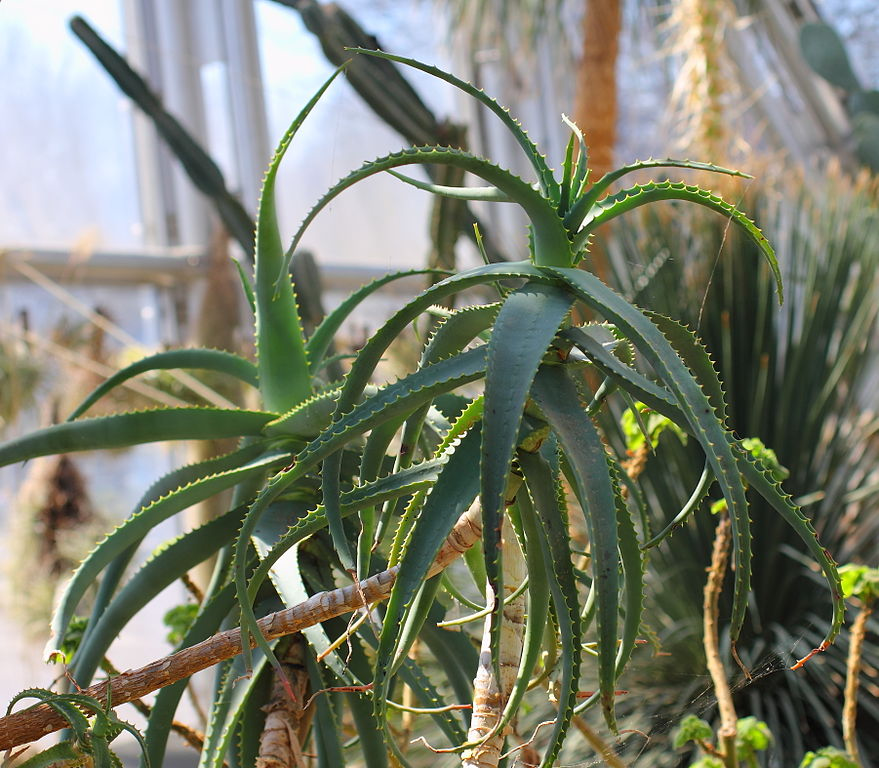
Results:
<point x="490" y="694"/>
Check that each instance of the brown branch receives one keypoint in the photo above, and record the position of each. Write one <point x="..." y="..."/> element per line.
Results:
<point x="35" y="722"/>
<point x="852" y="680"/>
<point x="713" y="588"/>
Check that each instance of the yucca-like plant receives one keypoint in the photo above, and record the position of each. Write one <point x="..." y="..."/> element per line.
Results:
<point x="380" y="488"/>
<point x="776" y="367"/>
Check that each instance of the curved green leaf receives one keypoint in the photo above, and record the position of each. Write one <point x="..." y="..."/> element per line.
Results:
<point x="549" y="503"/>
<point x="200" y="359"/>
<point x="642" y="194"/>
<point x="551" y="243"/>
<point x="454" y="491"/>
<point x="584" y="204"/>
<point x="397" y="399"/>
<point x="210" y="616"/>
<point x="700" y="418"/>
<point x="126" y="537"/>
<point x="133" y="428"/>
<point x="548" y="184"/>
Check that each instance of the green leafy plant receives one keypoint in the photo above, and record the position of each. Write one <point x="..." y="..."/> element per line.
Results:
<point x="828" y="757"/>
<point x="381" y="488"/>
<point x="752" y="736"/>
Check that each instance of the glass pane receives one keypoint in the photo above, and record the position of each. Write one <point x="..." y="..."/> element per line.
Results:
<point x="384" y="223"/>
<point x="68" y="159"/>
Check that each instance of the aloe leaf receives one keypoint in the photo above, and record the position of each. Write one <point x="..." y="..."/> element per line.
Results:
<point x="127" y="536"/>
<point x="696" y="357"/>
<point x="246" y="285"/>
<point x="319" y="342"/>
<point x="452" y="494"/>
<point x="568" y="170"/>
<point x="201" y="169"/>
<point x="425" y="692"/>
<point x="581" y="172"/>
<point x="585" y="203"/>
<point x="467" y="419"/>
<point x="162" y="569"/>
<point x="326" y="725"/>
<point x="697" y="409"/>
<point x="133" y="428"/>
<point x="307" y="418"/>
<point x="548" y="184"/>
<point x="543" y="484"/>
<point x="370" y="355"/>
<point x="642" y="194"/>
<point x="632" y="560"/>
<point x="201" y="359"/>
<point x="454" y="653"/>
<point x="457" y="330"/>
<point x="61" y="703"/>
<point x="398" y="399"/>
<point x="551" y="243"/>
<point x="210" y="616"/>
<point x="482" y="194"/>
<point x="283" y="366"/>
<point x="762" y="482"/>
<point x="525" y="327"/>
<point x="557" y="397"/>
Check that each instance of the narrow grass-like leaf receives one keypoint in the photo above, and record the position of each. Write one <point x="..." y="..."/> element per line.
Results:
<point x="133" y="428"/>
<point x="199" y="359"/>
<point x="558" y="399"/>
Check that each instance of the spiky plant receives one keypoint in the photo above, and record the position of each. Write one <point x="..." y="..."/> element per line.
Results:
<point x="381" y="488"/>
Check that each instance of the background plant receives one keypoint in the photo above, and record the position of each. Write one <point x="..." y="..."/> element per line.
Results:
<point x="824" y="434"/>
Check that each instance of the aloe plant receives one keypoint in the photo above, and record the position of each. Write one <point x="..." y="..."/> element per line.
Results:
<point x="380" y="488"/>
